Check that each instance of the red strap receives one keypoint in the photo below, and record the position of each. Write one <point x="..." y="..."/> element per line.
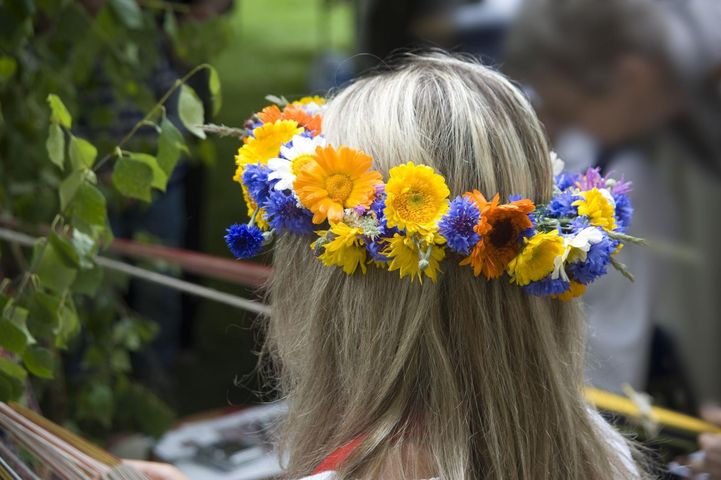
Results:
<point x="333" y="461"/>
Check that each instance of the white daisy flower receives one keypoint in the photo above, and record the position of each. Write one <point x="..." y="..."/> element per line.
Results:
<point x="285" y="168"/>
<point x="577" y="248"/>
<point x="557" y="163"/>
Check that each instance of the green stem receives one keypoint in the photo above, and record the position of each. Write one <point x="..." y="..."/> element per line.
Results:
<point x="251" y="222"/>
<point x="159" y="104"/>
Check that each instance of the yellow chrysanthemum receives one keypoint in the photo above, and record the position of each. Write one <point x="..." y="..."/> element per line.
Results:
<point x="417" y="198"/>
<point x="536" y="258"/>
<point x="335" y="180"/>
<point x="345" y="250"/>
<point x="575" y="290"/>
<point x="265" y="144"/>
<point x="597" y="207"/>
<point x="406" y="257"/>
<point x="251" y="206"/>
<point x="314" y="99"/>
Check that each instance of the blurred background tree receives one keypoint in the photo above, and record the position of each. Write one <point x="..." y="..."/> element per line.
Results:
<point x="108" y="62"/>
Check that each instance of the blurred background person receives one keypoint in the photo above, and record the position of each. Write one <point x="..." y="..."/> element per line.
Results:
<point x="640" y="79"/>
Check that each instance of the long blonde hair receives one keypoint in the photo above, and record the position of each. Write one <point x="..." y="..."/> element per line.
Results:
<point x="468" y="377"/>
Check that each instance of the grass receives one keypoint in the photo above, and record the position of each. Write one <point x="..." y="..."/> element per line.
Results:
<point x="275" y="44"/>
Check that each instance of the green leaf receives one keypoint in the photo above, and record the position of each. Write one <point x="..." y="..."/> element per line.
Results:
<point x="39" y="361"/>
<point x="65" y="249"/>
<point x="89" y="206"/>
<point x="170" y="144"/>
<point x="53" y="270"/>
<point x="8" y="66"/>
<point x="56" y="145"/>
<point x="128" y="12"/>
<point x="12" y="369"/>
<point x="160" y="178"/>
<point x="11" y="388"/>
<point x="58" y="113"/>
<point x="68" y="324"/>
<point x="82" y="153"/>
<point x="69" y="187"/>
<point x="12" y="338"/>
<point x="133" y="178"/>
<point x="88" y="281"/>
<point x="96" y="402"/>
<point x="86" y="247"/>
<point x="43" y="317"/>
<point x="216" y="96"/>
<point x="190" y="110"/>
<point x="170" y="26"/>
<point x="14" y="335"/>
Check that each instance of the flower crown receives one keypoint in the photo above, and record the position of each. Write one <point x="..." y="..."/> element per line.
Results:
<point x="293" y="181"/>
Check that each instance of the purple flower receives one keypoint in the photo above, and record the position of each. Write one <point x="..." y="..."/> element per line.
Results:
<point x="255" y="179"/>
<point x="547" y="287"/>
<point x="244" y="241"/>
<point x="621" y="187"/>
<point x="592" y="179"/>
<point x="284" y="214"/>
<point x="457" y="225"/>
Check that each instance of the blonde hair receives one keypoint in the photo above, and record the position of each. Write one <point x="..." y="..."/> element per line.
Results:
<point x="463" y="378"/>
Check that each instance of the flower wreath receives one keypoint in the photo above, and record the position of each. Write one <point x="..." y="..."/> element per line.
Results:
<point x="293" y="181"/>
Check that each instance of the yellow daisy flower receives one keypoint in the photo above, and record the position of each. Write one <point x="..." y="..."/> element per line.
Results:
<point x="537" y="258"/>
<point x="406" y="257"/>
<point x="251" y="206"/>
<point x="598" y="206"/>
<point x="314" y="99"/>
<point x="265" y="144"/>
<point x="335" y="180"/>
<point x="345" y="250"/>
<point x="417" y="198"/>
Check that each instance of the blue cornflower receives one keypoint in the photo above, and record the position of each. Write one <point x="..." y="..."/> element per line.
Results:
<point x="624" y="211"/>
<point x="284" y="214"/>
<point x="578" y="224"/>
<point x="566" y="180"/>
<point x="255" y="178"/>
<point x="596" y="263"/>
<point x="375" y="247"/>
<point x="377" y="207"/>
<point x="547" y="287"/>
<point x="457" y="225"/>
<point x="244" y="241"/>
<point x="561" y="205"/>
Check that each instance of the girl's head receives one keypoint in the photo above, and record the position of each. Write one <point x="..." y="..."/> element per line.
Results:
<point x="461" y="378"/>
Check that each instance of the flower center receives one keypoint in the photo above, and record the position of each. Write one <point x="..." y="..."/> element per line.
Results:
<point x="502" y="233"/>
<point x="339" y="187"/>
<point x="300" y="162"/>
<point x="416" y="206"/>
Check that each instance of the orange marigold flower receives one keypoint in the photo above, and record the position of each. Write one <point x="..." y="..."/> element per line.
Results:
<point x="310" y="122"/>
<point x="500" y="228"/>
<point x="335" y="180"/>
<point x="271" y="114"/>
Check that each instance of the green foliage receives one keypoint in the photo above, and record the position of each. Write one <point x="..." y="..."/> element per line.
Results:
<point x="52" y="51"/>
<point x="190" y="109"/>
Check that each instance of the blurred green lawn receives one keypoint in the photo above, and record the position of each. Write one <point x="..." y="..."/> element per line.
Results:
<point x="275" y="44"/>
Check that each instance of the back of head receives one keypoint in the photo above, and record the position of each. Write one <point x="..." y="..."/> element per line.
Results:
<point x="462" y="378"/>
